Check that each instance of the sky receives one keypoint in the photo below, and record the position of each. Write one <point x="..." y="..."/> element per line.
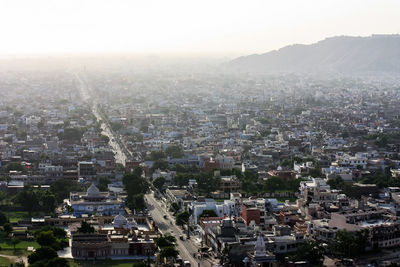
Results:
<point x="185" y="26"/>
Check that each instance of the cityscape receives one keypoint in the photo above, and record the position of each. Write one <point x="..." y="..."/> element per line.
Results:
<point x="284" y="158"/>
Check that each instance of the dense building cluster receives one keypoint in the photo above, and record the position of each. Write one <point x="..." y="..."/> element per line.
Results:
<point x="242" y="169"/>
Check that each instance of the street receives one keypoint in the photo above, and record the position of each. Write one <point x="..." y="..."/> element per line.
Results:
<point x="186" y="247"/>
<point x="120" y="154"/>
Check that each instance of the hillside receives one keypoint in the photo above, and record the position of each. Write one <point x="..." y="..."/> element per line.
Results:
<point x="380" y="53"/>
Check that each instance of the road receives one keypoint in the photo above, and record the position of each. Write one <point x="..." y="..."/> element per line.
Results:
<point x="186" y="247"/>
<point x="121" y="154"/>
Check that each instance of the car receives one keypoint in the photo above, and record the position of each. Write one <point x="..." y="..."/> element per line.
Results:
<point x="181" y="237"/>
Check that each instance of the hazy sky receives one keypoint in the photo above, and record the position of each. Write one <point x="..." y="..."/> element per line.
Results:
<point x="171" y="26"/>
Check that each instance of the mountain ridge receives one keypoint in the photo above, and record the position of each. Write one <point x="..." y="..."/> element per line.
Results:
<point x="379" y="53"/>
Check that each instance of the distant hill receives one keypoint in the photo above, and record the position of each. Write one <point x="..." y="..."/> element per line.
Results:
<point x="343" y="54"/>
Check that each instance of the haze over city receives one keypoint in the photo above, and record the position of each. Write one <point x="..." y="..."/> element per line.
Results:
<point x="199" y="133"/>
<point x="201" y="27"/>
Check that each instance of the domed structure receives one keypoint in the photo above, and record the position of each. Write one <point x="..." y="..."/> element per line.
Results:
<point x="92" y="191"/>
<point x="120" y="221"/>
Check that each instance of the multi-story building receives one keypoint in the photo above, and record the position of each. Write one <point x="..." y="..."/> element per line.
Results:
<point x="95" y="202"/>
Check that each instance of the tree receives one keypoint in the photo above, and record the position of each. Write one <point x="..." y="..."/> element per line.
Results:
<point x="182" y="218"/>
<point x="72" y="134"/>
<point x="156" y="155"/>
<point x="174" y="151"/>
<point x="208" y="213"/>
<point x="174" y="207"/>
<point x="43" y="253"/>
<point x="136" y="186"/>
<point x="14" y="166"/>
<point x="7" y="227"/>
<point x="349" y="244"/>
<point x="85" y="228"/>
<point x="52" y="237"/>
<point x="46" y="238"/>
<point x="336" y="183"/>
<point x="311" y="251"/>
<point x="207" y="183"/>
<point x="33" y="199"/>
<point x="104" y="138"/>
<point x="62" y="187"/>
<point x="14" y="242"/>
<point x="159" y="183"/>
<point x="273" y="184"/>
<point x="160" y="164"/>
<point x="3" y="218"/>
<point x="169" y="252"/>
<point x="116" y="126"/>
<point x="165" y="241"/>
<point x="136" y="202"/>
<point x="47" y="200"/>
<point x="102" y="183"/>
<point x="182" y="179"/>
<point x="316" y="172"/>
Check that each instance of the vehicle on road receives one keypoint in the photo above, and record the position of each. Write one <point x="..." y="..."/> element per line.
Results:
<point x="181" y="237"/>
<point x="186" y="264"/>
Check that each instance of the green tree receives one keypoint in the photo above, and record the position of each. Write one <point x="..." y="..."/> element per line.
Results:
<point x="86" y="228"/>
<point x="207" y="183"/>
<point x="43" y="253"/>
<point x="3" y="218"/>
<point x="116" y="126"/>
<point x="47" y="200"/>
<point x="182" y="179"/>
<point x="316" y="172"/>
<point x="46" y="238"/>
<point x="7" y="227"/>
<point x="182" y="218"/>
<point x="273" y="184"/>
<point x="336" y="183"/>
<point x="174" y="151"/>
<point x="174" y="207"/>
<point x="156" y="155"/>
<point x="159" y="183"/>
<point x="62" y="188"/>
<point x="136" y="202"/>
<point x="14" y="166"/>
<point x="311" y="251"/>
<point x="102" y="183"/>
<point x="349" y="244"/>
<point x="136" y="186"/>
<point x="160" y="164"/>
<point x="72" y="134"/>
<point x="15" y="241"/>
<point x="104" y="138"/>
<point x="169" y="252"/>
<point x="165" y="241"/>
<point x="208" y="213"/>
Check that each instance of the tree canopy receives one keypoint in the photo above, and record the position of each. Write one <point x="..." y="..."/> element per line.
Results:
<point x="174" y="151"/>
<point x="86" y="228"/>
<point x="182" y="218"/>
<point x="159" y="183"/>
<point x="36" y="200"/>
<point x="136" y="186"/>
<point x="43" y="253"/>
<point x="208" y="213"/>
<point x="349" y="244"/>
